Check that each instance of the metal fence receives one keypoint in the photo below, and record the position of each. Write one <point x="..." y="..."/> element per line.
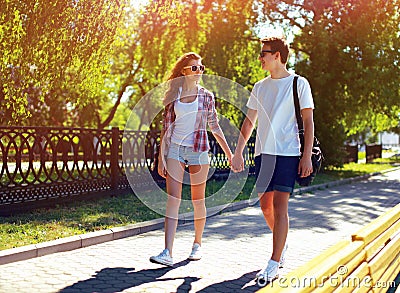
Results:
<point x="42" y="166"/>
<point x="351" y="153"/>
<point x="373" y="151"/>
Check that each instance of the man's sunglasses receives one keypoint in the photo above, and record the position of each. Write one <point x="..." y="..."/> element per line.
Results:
<point x="194" y="68"/>
<point x="262" y="53"/>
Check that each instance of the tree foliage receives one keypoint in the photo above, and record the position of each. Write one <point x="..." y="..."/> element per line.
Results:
<point x="349" y="51"/>
<point x="164" y="30"/>
<point x="351" y="54"/>
<point x="54" y="57"/>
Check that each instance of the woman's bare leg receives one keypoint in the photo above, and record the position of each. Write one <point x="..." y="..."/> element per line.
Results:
<point x="175" y="170"/>
<point x="198" y="179"/>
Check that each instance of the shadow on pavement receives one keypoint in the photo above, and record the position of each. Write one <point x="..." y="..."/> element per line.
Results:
<point x="119" y="279"/>
<point x="235" y="285"/>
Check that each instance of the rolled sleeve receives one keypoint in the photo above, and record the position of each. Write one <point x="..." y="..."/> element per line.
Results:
<point x="212" y="116"/>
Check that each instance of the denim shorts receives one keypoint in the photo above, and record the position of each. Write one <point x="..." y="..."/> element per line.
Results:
<point x="276" y="173"/>
<point x="186" y="155"/>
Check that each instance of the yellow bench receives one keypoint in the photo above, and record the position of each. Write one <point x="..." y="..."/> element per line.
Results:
<point x="369" y="262"/>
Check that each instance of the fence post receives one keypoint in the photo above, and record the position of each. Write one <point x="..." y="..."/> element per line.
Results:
<point x="352" y="153"/>
<point x="114" y="158"/>
<point x="372" y="152"/>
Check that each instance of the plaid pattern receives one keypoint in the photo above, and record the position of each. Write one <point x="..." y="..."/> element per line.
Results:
<point x="206" y="114"/>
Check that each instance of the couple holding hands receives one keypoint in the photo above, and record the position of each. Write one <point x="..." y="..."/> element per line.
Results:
<point x="189" y="108"/>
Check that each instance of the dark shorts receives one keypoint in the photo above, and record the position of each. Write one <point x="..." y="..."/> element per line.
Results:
<point x="275" y="173"/>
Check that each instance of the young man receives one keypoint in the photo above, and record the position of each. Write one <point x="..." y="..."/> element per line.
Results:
<point x="277" y="151"/>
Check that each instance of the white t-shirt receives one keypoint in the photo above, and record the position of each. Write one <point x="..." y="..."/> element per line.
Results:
<point x="185" y="122"/>
<point x="277" y="131"/>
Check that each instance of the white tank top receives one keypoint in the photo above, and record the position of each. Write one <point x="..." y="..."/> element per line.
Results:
<point x="185" y="121"/>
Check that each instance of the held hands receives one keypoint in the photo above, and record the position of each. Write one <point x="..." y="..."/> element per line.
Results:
<point x="305" y="166"/>
<point x="237" y="163"/>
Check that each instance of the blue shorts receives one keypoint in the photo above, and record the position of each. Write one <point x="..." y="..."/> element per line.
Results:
<point x="275" y="173"/>
<point x="186" y="155"/>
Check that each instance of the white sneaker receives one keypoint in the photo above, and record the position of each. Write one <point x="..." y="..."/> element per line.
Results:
<point x="196" y="252"/>
<point x="163" y="258"/>
<point x="283" y="260"/>
<point x="269" y="274"/>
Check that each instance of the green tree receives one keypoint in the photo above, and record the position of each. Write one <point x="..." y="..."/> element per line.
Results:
<point x="149" y="42"/>
<point x="349" y="51"/>
<point x="219" y="31"/>
<point x="54" y="57"/>
<point x="350" y="56"/>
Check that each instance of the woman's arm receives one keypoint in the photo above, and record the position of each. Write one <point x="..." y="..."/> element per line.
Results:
<point x="212" y="119"/>
<point x="161" y="150"/>
<point x="224" y="145"/>
<point x="162" y="170"/>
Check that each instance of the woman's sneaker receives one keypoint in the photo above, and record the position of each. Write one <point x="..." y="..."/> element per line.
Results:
<point x="163" y="258"/>
<point x="196" y="252"/>
<point x="269" y="274"/>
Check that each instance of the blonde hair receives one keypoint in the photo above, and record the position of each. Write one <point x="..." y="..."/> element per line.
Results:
<point x="174" y="80"/>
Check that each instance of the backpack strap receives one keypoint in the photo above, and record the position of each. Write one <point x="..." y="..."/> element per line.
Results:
<point x="297" y="103"/>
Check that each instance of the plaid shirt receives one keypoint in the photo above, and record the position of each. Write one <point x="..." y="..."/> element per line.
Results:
<point x="206" y="114"/>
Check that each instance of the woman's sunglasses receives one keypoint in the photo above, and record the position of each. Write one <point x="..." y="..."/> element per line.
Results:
<point x="194" y="68"/>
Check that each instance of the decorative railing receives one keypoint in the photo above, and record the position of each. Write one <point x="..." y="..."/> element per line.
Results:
<point x="351" y="153"/>
<point x="373" y="151"/>
<point x="42" y="165"/>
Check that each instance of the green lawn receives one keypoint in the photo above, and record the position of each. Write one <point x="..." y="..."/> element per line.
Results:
<point x="82" y="217"/>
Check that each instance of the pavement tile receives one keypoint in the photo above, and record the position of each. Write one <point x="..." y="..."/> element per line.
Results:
<point x="236" y="246"/>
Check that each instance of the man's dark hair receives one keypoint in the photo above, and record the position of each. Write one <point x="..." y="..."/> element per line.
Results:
<point x="278" y="44"/>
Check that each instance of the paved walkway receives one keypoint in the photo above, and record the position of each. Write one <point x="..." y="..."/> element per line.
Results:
<point x="236" y="246"/>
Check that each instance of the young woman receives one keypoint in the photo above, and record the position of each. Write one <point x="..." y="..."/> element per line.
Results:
<point x="189" y="107"/>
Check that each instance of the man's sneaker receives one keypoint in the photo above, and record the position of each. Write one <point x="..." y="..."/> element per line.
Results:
<point x="283" y="260"/>
<point x="163" y="258"/>
<point x="196" y="252"/>
<point x="269" y="274"/>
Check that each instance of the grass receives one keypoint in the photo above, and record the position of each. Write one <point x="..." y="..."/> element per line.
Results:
<point x="350" y="170"/>
<point x="83" y="217"/>
<point x="391" y="160"/>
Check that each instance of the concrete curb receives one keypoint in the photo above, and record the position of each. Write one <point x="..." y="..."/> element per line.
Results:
<point x="97" y="237"/>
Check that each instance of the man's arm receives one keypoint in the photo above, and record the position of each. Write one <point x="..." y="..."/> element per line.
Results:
<point x="305" y="165"/>
<point x="245" y="132"/>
